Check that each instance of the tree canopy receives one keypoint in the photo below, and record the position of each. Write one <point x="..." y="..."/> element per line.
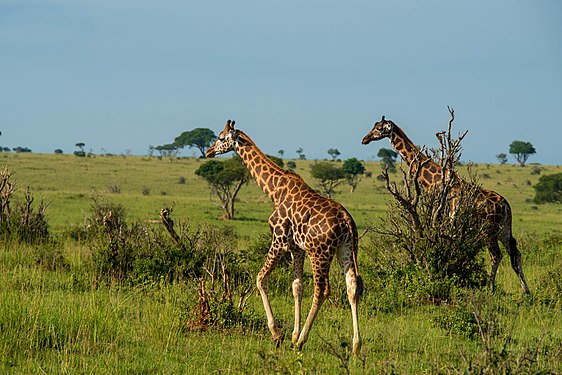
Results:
<point x="225" y="178"/>
<point x="328" y="175"/>
<point x="334" y="153"/>
<point x="388" y="157"/>
<point x="353" y="169"/>
<point x="521" y="151"/>
<point x="502" y="158"/>
<point x="201" y="138"/>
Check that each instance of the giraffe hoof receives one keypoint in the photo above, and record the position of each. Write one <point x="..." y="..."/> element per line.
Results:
<point x="278" y="339"/>
<point x="356" y="348"/>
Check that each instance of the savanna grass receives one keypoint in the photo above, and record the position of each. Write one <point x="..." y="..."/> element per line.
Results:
<point x="57" y="317"/>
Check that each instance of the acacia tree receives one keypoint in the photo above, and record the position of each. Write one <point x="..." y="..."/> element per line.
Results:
<point x="80" y="153"/>
<point x="521" y="151"/>
<point x="168" y="150"/>
<point x="502" y="158"/>
<point x="225" y="179"/>
<point x="334" y="153"/>
<point x="388" y="157"/>
<point x="328" y="175"/>
<point x="353" y="169"/>
<point x="201" y="138"/>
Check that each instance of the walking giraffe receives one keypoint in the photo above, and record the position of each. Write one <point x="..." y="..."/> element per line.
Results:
<point x="303" y="222"/>
<point x="493" y="207"/>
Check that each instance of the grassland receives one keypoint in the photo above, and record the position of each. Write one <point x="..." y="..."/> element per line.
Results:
<point x="68" y="183"/>
<point x="63" y="321"/>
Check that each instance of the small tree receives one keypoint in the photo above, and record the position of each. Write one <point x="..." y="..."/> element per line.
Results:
<point x="353" y="169"/>
<point x="334" y="153"/>
<point x="81" y="153"/>
<point x="281" y="153"/>
<point x="225" y="179"/>
<point x="388" y="158"/>
<point x="300" y="153"/>
<point x="328" y="175"/>
<point x="168" y="150"/>
<point x="291" y="165"/>
<point x="549" y="189"/>
<point x="502" y="158"/>
<point x="201" y="138"/>
<point x="521" y="151"/>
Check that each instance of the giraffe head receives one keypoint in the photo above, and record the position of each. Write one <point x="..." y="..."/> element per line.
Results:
<point x="225" y="142"/>
<point x="381" y="129"/>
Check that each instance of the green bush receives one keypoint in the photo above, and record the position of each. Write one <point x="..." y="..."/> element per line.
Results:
<point x="549" y="189"/>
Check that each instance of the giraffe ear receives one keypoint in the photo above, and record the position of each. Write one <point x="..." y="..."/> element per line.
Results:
<point x="230" y="124"/>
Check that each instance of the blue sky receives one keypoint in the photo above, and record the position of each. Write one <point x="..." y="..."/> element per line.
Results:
<point x="123" y="75"/>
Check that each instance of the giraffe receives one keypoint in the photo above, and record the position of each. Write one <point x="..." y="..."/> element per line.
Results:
<point x="303" y="222"/>
<point x="494" y="208"/>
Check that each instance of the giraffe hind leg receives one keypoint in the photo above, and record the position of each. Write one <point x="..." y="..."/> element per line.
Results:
<point x="495" y="257"/>
<point x="510" y="244"/>
<point x="298" y="265"/>
<point x="321" y="293"/>
<point x="354" y="286"/>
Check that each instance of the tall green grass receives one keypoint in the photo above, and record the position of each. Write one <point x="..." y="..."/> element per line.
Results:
<point x="56" y="316"/>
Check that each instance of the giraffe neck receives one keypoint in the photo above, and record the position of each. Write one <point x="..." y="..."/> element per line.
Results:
<point x="430" y="172"/>
<point x="405" y="147"/>
<point x="266" y="173"/>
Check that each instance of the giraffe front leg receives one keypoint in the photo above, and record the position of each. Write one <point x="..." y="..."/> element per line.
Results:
<point x="298" y="266"/>
<point x="272" y="257"/>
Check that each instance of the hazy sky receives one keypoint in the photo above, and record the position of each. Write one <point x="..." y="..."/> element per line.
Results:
<point x="123" y="75"/>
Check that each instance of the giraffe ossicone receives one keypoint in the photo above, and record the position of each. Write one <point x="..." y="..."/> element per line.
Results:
<point x="494" y="208"/>
<point x="304" y="223"/>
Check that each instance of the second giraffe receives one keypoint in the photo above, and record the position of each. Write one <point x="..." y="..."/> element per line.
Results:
<point x="493" y="207"/>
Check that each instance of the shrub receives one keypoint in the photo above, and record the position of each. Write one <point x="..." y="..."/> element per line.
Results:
<point x="432" y="237"/>
<point x="549" y="189"/>
<point x="19" y="219"/>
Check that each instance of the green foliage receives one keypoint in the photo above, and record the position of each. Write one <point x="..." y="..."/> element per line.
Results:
<point x="167" y="150"/>
<point x="225" y="178"/>
<point x="388" y="158"/>
<point x="329" y="176"/>
<point x="440" y="251"/>
<point x="353" y="166"/>
<point x="549" y="189"/>
<point x="502" y="158"/>
<point x="201" y="138"/>
<point x="334" y="153"/>
<point x="521" y="151"/>
<point x="353" y="169"/>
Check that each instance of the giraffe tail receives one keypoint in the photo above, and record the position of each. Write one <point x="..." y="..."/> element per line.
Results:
<point x="360" y="286"/>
